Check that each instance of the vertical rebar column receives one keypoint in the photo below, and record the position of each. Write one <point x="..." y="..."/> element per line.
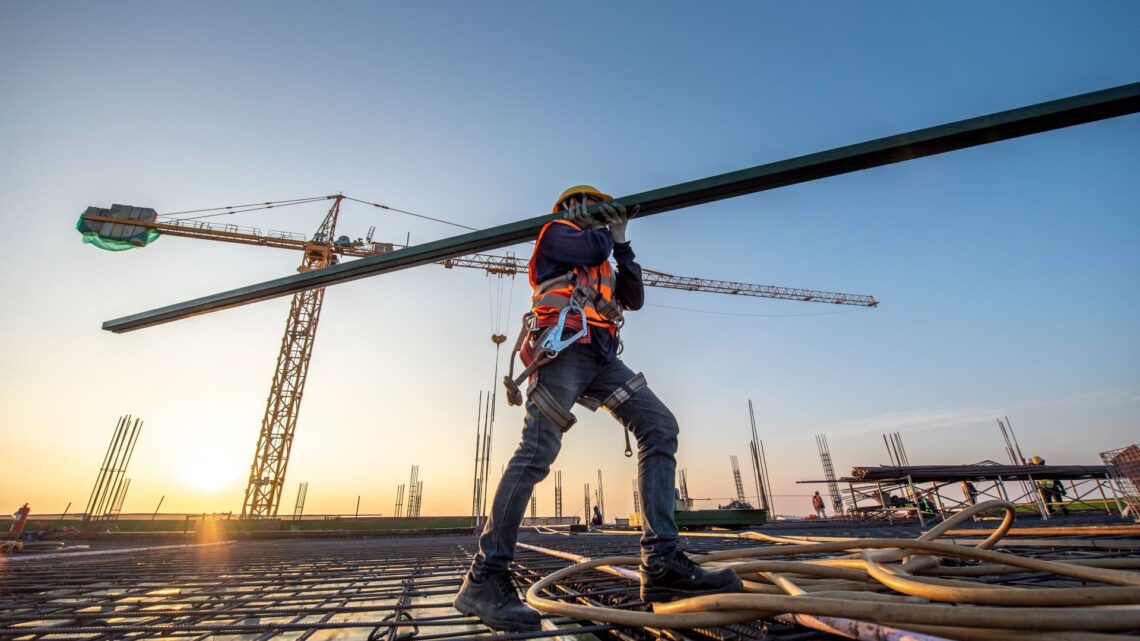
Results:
<point x="737" y="479"/>
<point x="117" y="502"/>
<point x="120" y="469"/>
<point x="601" y="497"/>
<point x="636" y="498"/>
<point x="485" y="472"/>
<point x="414" y="491"/>
<point x="299" y="506"/>
<point x="829" y="472"/>
<point x="586" y="513"/>
<point x="104" y="470"/>
<point x="755" y="446"/>
<point x="558" y="494"/>
<point x="108" y="484"/>
<point x="476" y="490"/>
<point x="767" y="479"/>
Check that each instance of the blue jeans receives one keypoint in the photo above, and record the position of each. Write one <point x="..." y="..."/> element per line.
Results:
<point x="577" y="372"/>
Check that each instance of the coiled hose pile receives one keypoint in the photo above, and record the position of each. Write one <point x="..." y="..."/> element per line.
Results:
<point x="919" y="584"/>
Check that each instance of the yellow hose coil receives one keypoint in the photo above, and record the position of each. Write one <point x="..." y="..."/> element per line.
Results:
<point x="859" y="585"/>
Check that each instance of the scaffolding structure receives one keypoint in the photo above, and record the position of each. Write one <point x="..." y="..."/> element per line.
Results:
<point x="1124" y="468"/>
<point x="891" y="493"/>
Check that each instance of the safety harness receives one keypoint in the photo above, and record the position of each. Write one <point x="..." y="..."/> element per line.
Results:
<point x="571" y="302"/>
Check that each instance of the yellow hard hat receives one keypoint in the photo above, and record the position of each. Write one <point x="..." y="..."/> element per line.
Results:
<point x="579" y="190"/>
<point x="1037" y="460"/>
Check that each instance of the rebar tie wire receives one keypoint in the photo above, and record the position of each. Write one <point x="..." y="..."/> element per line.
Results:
<point x="858" y="585"/>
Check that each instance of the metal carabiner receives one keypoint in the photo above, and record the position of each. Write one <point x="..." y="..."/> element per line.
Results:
<point x="553" y="343"/>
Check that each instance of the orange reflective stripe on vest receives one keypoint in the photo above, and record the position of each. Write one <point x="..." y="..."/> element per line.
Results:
<point x="550" y="297"/>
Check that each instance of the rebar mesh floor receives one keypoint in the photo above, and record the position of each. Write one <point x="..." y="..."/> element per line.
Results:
<point x="388" y="589"/>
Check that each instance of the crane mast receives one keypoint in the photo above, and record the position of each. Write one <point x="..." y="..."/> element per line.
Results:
<point x="270" y="460"/>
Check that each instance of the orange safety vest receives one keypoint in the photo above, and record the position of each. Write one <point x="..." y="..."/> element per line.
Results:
<point x="552" y="296"/>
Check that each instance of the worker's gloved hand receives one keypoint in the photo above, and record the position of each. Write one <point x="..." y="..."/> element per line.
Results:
<point x="576" y="213"/>
<point x="617" y="218"/>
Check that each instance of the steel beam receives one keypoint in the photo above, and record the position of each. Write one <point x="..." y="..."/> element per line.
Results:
<point x="1056" y="114"/>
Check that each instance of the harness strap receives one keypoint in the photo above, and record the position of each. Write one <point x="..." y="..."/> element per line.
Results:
<point x="583" y="290"/>
<point x="624" y="392"/>
<point x="620" y="395"/>
<point x="514" y="394"/>
<point x="549" y="407"/>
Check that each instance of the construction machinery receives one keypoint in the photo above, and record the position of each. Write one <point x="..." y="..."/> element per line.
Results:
<point x="124" y="227"/>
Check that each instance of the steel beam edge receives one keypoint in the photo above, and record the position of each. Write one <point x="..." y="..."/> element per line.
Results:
<point x="1038" y="118"/>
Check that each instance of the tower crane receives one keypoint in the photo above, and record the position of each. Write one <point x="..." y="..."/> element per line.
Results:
<point x="122" y="226"/>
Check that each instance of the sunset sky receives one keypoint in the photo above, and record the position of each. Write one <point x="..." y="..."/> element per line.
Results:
<point x="1008" y="275"/>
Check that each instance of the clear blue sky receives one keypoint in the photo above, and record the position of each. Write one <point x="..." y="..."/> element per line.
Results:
<point x="1009" y="274"/>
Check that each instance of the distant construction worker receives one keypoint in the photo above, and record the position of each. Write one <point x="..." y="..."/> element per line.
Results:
<point x="926" y="506"/>
<point x="20" y="519"/>
<point x="1052" y="493"/>
<point x="572" y="279"/>
<point x="970" y="492"/>
<point x="817" y="503"/>
<point x="597" y="518"/>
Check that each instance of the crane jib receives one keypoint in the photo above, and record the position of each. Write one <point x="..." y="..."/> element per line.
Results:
<point x="1047" y="116"/>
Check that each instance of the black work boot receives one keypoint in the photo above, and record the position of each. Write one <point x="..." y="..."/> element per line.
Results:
<point x="678" y="576"/>
<point x="495" y="601"/>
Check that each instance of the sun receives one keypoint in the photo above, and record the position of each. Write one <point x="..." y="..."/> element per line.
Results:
<point x="208" y="472"/>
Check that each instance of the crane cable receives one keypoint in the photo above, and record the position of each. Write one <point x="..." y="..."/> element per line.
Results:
<point x="850" y="586"/>
<point x="409" y="213"/>
<point x="228" y="210"/>
<point x="499" y="287"/>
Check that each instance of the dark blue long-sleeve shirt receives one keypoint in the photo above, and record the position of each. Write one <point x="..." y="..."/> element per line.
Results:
<point x="563" y="248"/>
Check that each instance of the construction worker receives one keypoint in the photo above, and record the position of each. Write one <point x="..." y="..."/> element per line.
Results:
<point x="20" y="519"/>
<point x="570" y="269"/>
<point x="970" y="492"/>
<point x="1052" y="492"/>
<point x="926" y="506"/>
<point x="817" y="503"/>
